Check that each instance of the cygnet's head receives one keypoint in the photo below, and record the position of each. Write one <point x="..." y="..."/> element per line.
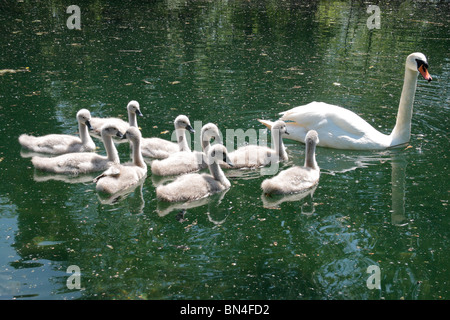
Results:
<point x="210" y="131"/>
<point x="109" y="130"/>
<point x="134" y="107"/>
<point x="182" y="122"/>
<point x="312" y="138"/>
<point x="133" y="134"/>
<point x="418" y="62"/>
<point x="280" y="125"/>
<point x="218" y="153"/>
<point x="83" y="117"/>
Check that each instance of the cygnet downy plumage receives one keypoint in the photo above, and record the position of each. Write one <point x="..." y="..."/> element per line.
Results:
<point x="83" y="162"/>
<point x="158" y="148"/>
<point x="63" y="143"/>
<point x="123" y="176"/>
<point x="133" y="109"/>
<point x="188" y="161"/>
<point x="253" y="156"/>
<point x="297" y="179"/>
<point x="194" y="186"/>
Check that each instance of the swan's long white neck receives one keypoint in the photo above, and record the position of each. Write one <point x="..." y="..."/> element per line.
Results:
<point x="138" y="160"/>
<point x="84" y="133"/>
<point x="218" y="174"/>
<point x="402" y="130"/>
<point x="181" y="138"/>
<point x="111" y="151"/>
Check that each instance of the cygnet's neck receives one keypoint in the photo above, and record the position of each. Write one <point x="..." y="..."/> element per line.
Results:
<point x="132" y="118"/>
<point x="181" y="138"/>
<point x="277" y="141"/>
<point x="310" y="155"/>
<point x="402" y="130"/>
<point x="218" y="174"/>
<point x="138" y="160"/>
<point x="111" y="151"/>
<point x="84" y="133"/>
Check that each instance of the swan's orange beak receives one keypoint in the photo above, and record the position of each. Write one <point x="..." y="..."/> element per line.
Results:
<point x="424" y="72"/>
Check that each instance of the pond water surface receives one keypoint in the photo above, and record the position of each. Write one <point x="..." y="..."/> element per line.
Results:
<point x="227" y="62"/>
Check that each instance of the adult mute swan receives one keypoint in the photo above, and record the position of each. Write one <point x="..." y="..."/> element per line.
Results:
<point x="119" y="177"/>
<point x="186" y="161"/>
<point x="194" y="186"/>
<point x="133" y="109"/>
<point x="253" y="156"/>
<point x="297" y="179"/>
<point x="160" y="148"/>
<point x="343" y="129"/>
<point x="83" y="162"/>
<point x="62" y="143"/>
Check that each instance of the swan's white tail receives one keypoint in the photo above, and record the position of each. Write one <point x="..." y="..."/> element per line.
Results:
<point x="267" y="123"/>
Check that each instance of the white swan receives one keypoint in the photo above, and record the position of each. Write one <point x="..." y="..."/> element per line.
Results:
<point x="133" y="109"/>
<point x="160" y="148"/>
<point x="83" y="162"/>
<point x="194" y="186"/>
<point x="297" y="179"/>
<point x="62" y="143"/>
<point x="343" y="129"/>
<point x="252" y="156"/>
<point x="123" y="176"/>
<point x="186" y="161"/>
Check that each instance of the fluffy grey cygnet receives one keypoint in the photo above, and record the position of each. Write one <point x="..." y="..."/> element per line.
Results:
<point x="123" y="176"/>
<point x="133" y="109"/>
<point x="194" y="186"/>
<point x="297" y="179"/>
<point x="253" y="156"/>
<point x="83" y="162"/>
<point x="188" y="161"/>
<point x="63" y="143"/>
<point x="158" y="148"/>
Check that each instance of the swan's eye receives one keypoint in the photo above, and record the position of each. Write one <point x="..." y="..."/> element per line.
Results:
<point x="421" y="63"/>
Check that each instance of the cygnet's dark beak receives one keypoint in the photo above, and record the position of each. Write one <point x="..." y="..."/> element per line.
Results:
<point x="120" y="135"/>
<point x="228" y="161"/>
<point x="139" y="113"/>
<point x="88" y="124"/>
<point x="190" y="129"/>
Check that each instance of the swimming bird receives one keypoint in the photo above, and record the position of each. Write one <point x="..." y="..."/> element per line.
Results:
<point x="343" y="129"/>
<point x="297" y="179"/>
<point x="252" y="156"/>
<point x="63" y="143"/>
<point x="194" y="186"/>
<point x="119" y="177"/>
<point x="133" y="109"/>
<point x="188" y="161"/>
<point x="83" y="162"/>
<point x="158" y="148"/>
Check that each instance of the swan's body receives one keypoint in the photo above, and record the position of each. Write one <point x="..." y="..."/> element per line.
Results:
<point x="194" y="186"/>
<point x="83" y="162"/>
<point x="158" y="148"/>
<point x="296" y="179"/>
<point x="133" y="110"/>
<point x="123" y="176"/>
<point x="62" y="143"/>
<point x="187" y="161"/>
<point x="252" y="156"/>
<point x="343" y="129"/>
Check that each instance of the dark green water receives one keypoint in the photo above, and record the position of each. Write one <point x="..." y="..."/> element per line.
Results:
<point x="228" y="63"/>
